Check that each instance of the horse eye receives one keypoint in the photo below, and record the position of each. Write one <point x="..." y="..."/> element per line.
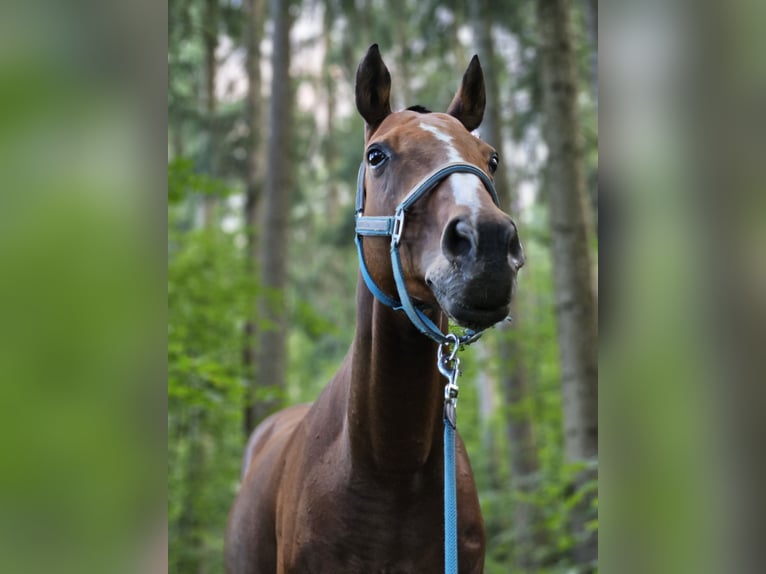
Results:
<point x="376" y="157"/>
<point x="494" y="161"/>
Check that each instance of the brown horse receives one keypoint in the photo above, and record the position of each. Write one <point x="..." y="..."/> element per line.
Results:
<point x="353" y="482"/>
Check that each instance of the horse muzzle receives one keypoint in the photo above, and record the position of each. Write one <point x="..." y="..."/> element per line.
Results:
<point x="474" y="277"/>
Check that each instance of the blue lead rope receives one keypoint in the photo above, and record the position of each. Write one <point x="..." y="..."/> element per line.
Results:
<point x="450" y="501"/>
<point x="449" y="366"/>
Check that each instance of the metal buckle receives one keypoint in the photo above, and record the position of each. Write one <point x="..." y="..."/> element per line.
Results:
<point x="444" y="361"/>
<point x="451" y="391"/>
<point x="396" y="234"/>
<point x="449" y="366"/>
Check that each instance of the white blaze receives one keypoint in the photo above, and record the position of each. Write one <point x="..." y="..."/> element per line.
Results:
<point x="465" y="187"/>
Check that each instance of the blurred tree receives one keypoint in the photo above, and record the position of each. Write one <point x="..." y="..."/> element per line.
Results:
<point x="210" y="41"/>
<point x="191" y="518"/>
<point x="330" y="79"/>
<point x="253" y="187"/>
<point x="590" y="14"/>
<point x="207" y="291"/>
<point x="513" y="373"/>
<point x="575" y="299"/>
<point x="271" y="358"/>
<point x="206" y="288"/>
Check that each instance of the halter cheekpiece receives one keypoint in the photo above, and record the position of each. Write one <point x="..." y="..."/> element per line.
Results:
<point x="393" y="226"/>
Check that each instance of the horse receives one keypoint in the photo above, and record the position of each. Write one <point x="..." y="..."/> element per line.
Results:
<point x="352" y="483"/>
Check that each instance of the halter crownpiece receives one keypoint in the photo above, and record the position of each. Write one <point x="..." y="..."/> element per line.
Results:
<point x="393" y="226"/>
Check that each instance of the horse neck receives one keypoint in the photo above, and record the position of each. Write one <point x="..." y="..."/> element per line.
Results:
<point x="395" y="404"/>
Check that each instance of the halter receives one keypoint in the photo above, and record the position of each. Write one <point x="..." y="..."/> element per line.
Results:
<point x="393" y="226"/>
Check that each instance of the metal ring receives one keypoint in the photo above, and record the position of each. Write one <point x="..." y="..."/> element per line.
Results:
<point x="453" y="339"/>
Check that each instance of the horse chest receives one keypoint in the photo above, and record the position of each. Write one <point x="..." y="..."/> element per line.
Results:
<point x="365" y="526"/>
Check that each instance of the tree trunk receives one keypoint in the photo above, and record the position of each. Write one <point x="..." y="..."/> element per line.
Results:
<point x="491" y="127"/>
<point x="330" y="78"/>
<point x="575" y="301"/>
<point x="491" y="133"/>
<point x="271" y="363"/>
<point x="177" y="141"/>
<point x="590" y="15"/>
<point x="210" y="37"/>
<point x="590" y="27"/>
<point x="527" y="522"/>
<point x="190" y="523"/>
<point x="486" y="388"/>
<point x="401" y="38"/>
<point x="253" y="186"/>
<point x="514" y="379"/>
<point x="196" y="561"/>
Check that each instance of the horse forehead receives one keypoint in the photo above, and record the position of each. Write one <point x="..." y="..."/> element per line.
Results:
<point x="444" y="123"/>
<point x="448" y="134"/>
<point x="431" y="131"/>
<point x="457" y="145"/>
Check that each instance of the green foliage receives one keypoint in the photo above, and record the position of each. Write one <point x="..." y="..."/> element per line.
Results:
<point x="211" y="289"/>
<point x="184" y="181"/>
<point x="209" y="295"/>
<point x="322" y="313"/>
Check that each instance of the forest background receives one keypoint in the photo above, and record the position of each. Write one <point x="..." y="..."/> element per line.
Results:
<point x="83" y="187"/>
<point x="263" y="147"/>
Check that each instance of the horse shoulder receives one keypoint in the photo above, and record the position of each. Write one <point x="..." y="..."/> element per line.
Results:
<point x="250" y="538"/>
<point x="306" y="503"/>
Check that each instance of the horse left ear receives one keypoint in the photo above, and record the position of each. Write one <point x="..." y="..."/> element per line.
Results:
<point x="373" y="89"/>
<point x="470" y="99"/>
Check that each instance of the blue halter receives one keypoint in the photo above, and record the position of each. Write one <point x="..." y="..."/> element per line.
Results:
<point x="393" y="226"/>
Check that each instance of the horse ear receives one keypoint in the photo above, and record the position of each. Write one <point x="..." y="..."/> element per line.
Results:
<point x="470" y="99"/>
<point x="373" y="88"/>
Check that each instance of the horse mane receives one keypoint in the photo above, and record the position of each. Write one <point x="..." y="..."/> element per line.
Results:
<point x="419" y="109"/>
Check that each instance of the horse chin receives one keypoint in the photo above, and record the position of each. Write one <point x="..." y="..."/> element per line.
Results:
<point x="474" y="318"/>
<point x="473" y="301"/>
<point x="468" y="311"/>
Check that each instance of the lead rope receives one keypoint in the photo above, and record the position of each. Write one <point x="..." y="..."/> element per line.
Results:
<point x="449" y="366"/>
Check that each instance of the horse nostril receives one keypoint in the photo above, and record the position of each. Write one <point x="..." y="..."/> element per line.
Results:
<point x="515" y="249"/>
<point x="459" y="239"/>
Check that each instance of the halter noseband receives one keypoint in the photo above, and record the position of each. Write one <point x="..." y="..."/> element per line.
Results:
<point x="393" y="226"/>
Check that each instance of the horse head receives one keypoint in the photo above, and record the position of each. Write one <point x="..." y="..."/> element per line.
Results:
<point x="459" y="250"/>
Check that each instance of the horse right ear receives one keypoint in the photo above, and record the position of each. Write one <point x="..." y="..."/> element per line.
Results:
<point x="373" y="88"/>
<point x="470" y="99"/>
